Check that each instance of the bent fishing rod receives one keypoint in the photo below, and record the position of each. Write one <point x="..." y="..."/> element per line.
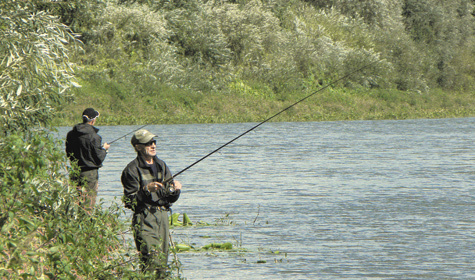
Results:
<point x="270" y="118"/>
<point x="126" y="134"/>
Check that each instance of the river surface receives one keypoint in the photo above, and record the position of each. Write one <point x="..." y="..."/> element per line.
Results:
<point x="319" y="200"/>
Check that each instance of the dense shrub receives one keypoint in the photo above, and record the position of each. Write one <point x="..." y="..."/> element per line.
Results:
<point x="44" y="231"/>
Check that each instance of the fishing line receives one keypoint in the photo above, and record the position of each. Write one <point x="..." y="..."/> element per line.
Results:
<point x="126" y="134"/>
<point x="270" y="118"/>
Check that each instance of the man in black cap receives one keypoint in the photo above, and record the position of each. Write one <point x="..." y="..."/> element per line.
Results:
<point x="149" y="191"/>
<point x="83" y="145"/>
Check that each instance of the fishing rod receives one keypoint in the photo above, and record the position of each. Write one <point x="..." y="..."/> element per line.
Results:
<point x="126" y="134"/>
<point x="270" y="118"/>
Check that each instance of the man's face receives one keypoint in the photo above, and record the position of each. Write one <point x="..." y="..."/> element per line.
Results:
<point x="149" y="149"/>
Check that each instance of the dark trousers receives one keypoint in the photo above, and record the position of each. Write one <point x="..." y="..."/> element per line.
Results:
<point x="87" y="185"/>
<point x="151" y="234"/>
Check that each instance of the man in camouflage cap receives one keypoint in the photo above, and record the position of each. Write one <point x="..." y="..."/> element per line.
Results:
<point x="149" y="191"/>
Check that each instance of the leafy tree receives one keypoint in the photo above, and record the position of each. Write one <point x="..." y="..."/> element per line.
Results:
<point x="423" y="20"/>
<point x="35" y="73"/>
<point x="445" y="30"/>
<point x="78" y="15"/>
<point x="199" y="37"/>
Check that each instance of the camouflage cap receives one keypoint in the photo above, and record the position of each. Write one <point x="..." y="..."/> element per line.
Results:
<point x="142" y="136"/>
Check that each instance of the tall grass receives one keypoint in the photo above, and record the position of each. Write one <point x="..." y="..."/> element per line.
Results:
<point x="251" y="102"/>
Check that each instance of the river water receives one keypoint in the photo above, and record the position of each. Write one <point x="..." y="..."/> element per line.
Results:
<point x="319" y="200"/>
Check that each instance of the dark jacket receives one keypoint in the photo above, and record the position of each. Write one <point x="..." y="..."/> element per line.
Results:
<point x="137" y="175"/>
<point x="85" y="145"/>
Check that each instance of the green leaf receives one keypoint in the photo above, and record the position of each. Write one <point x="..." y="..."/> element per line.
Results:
<point x="6" y="228"/>
<point x="29" y="223"/>
<point x="54" y="249"/>
<point x="18" y="91"/>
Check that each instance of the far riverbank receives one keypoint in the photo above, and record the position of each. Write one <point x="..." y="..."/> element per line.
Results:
<point x="327" y="105"/>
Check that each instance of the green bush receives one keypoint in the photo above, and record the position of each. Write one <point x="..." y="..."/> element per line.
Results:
<point x="44" y="231"/>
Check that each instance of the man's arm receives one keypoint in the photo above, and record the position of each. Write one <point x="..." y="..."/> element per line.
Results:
<point x="99" y="153"/>
<point x="133" y="193"/>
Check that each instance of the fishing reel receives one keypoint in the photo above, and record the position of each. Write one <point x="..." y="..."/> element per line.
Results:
<point x="169" y="185"/>
<point x="171" y="188"/>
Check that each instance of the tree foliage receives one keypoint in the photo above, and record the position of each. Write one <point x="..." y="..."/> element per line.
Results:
<point x="446" y="31"/>
<point x="45" y="233"/>
<point x="35" y="73"/>
<point x="203" y="45"/>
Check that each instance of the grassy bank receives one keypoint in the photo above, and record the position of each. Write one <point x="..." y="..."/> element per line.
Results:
<point x="171" y="105"/>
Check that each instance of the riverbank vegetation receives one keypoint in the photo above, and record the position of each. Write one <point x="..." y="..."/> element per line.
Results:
<point x="45" y="233"/>
<point x="154" y="61"/>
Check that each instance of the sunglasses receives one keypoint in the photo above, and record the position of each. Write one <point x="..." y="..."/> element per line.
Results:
<point x="149" y="143"/>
